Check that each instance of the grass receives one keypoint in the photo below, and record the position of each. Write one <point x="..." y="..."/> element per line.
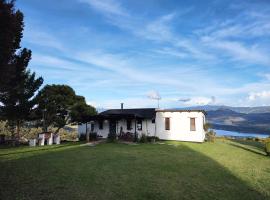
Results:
<point x="170" y="170"/>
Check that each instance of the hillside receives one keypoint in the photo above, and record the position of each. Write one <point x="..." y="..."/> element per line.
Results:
<point x="241" y="119"/>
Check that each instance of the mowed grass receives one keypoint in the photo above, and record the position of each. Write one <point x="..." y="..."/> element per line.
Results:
<point x="168" y="170"/>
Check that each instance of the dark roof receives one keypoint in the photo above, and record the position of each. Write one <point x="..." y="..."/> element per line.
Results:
<point x="146" y="113"/>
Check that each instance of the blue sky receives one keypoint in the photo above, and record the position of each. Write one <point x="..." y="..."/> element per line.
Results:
<point x="187" y="52"/>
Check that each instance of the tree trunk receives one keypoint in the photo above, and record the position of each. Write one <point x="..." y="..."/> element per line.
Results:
<point x="57" y="130"/>
<point x="86" y="133"/>
<point x="17" y="135"/>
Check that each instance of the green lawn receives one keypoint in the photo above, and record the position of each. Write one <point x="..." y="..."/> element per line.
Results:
<point x="172" y="170"/>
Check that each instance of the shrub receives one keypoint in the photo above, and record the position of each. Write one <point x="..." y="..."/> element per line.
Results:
<point x="30" y="133"/>
<point x="111" y="137"/>
<point x="143" y="139"/>
<point x="152" y="138"/>
<point x="210" y="136"/>
<point x="126" y="136"/>
<point x="93" y="136"/>
<point x="5" y="129"/>
<point x="82" y="137"/>
<point x="207" y="126"/>
<point x="267" y="146"/>
<point x="66" y="135"/>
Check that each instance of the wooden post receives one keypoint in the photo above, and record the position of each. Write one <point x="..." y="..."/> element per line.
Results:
<point x="135" y="133"/>
<point x="87" y="134"/>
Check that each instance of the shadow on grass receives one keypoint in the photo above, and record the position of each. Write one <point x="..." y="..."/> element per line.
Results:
<point x="251" y="146"/>
<point x="116" y="171"/>
<point x="27" y="149"/>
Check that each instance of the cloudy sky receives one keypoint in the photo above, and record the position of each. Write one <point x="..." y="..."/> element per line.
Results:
<point x="133" y="51"/>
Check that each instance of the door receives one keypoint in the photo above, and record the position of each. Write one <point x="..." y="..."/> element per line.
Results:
<point x="113" y="127"/>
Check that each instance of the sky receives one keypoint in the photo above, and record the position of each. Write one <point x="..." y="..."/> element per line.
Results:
<point x="187" y="53"/>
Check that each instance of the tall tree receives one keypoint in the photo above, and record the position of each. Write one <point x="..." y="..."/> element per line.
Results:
<point x="11" y="26"/>
<point x="18" y="85"/>
<point x="81" y="113"/>
<point x="59" y="105"/>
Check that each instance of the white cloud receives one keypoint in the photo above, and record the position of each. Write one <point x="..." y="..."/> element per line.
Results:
<point x="52" y="61"/>
<point x="106" y="6"/>
<point x="153" y="95"/>
<point x="33" y="35"/>
<point x="239" y="51"/>
<point x="264" y="95"/>
<point x="200" y="101"/>
<point x="261" y="98"/>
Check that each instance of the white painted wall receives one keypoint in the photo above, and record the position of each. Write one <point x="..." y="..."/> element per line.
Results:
<point x="148" y="128"/>
<point x="180" y="126"/>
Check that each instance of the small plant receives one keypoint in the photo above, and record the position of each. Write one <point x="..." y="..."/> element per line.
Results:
<point x="152" y="138"/>
<point x="267" y="146"/>
<point x="93" y="136"/>
<point x="211" y="136"/>
<point x="207" y="127"/>
<point x="82" y="137"/>
<point x="111" y="137"/>
<point x="143" y="139"/>
<point x="126" y="136"/>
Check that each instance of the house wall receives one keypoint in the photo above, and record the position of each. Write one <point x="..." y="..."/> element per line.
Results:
<point x="148" y="128"/>
<point x="180" y="126"/>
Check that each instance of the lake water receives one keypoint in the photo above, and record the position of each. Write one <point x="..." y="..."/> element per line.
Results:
<point x="237" y="134"/>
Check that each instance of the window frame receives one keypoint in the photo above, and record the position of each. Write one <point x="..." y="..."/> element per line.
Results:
<point x="192" y="125"/>
<point x="167" y="123"/>
<point x="129" y="124"/>
<point x="139" y="124"/>
<point x="100" y="124"/>
<point x="92" y="127"/>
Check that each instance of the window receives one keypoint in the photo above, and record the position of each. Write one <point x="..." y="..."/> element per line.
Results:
<point x="100" y="125"/>
<point x="153" y="121"/>
<point x="192" y="124"/>
<point x="128" y="124"/>
<point x="139" y="124"/>
<point x="167" y="123"/>
<point x="92" y="127"/>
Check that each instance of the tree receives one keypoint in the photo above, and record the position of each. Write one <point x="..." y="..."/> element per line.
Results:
<point x="81" y="113"/>
<point x="18" y="84"/>
<point x="58" y="105"/>
<point x="11" y="26"/>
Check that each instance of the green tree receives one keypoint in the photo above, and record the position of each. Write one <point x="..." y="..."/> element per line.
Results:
<point x="18" y="84"/>
<point x="58" y="105"/>
<point x="81" y="113"/>
<point x="11" y="26"/>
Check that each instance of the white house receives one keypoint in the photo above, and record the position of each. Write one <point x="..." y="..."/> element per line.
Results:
<point x="181" y="125"/>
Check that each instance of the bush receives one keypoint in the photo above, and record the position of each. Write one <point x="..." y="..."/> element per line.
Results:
<point x="82" y="137"/>
<point x="267" y="146"/>
<point x="30" y="133"/>
<point x="126" y="136"/>
<point x="143" y="139"/>
<point x="111" y="137"/>
<point x="210" y="136"/>
<point x="93" y="136"/>
<point x="66" y="135"/>
<point x="152" y="138"/>
<point x="5" y="129"/>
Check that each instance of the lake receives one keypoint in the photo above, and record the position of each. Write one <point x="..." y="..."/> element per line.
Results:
<point x="237" y="134"/>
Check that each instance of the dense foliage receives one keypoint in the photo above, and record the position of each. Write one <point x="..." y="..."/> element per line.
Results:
<point x="55" y="105"/>
<point x="18" y="84"/>
<point x="59" y="105"/>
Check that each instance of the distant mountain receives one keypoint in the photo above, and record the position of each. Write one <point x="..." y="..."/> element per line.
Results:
<point x="260" y="109"/>
<point x="240" y="119"/>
